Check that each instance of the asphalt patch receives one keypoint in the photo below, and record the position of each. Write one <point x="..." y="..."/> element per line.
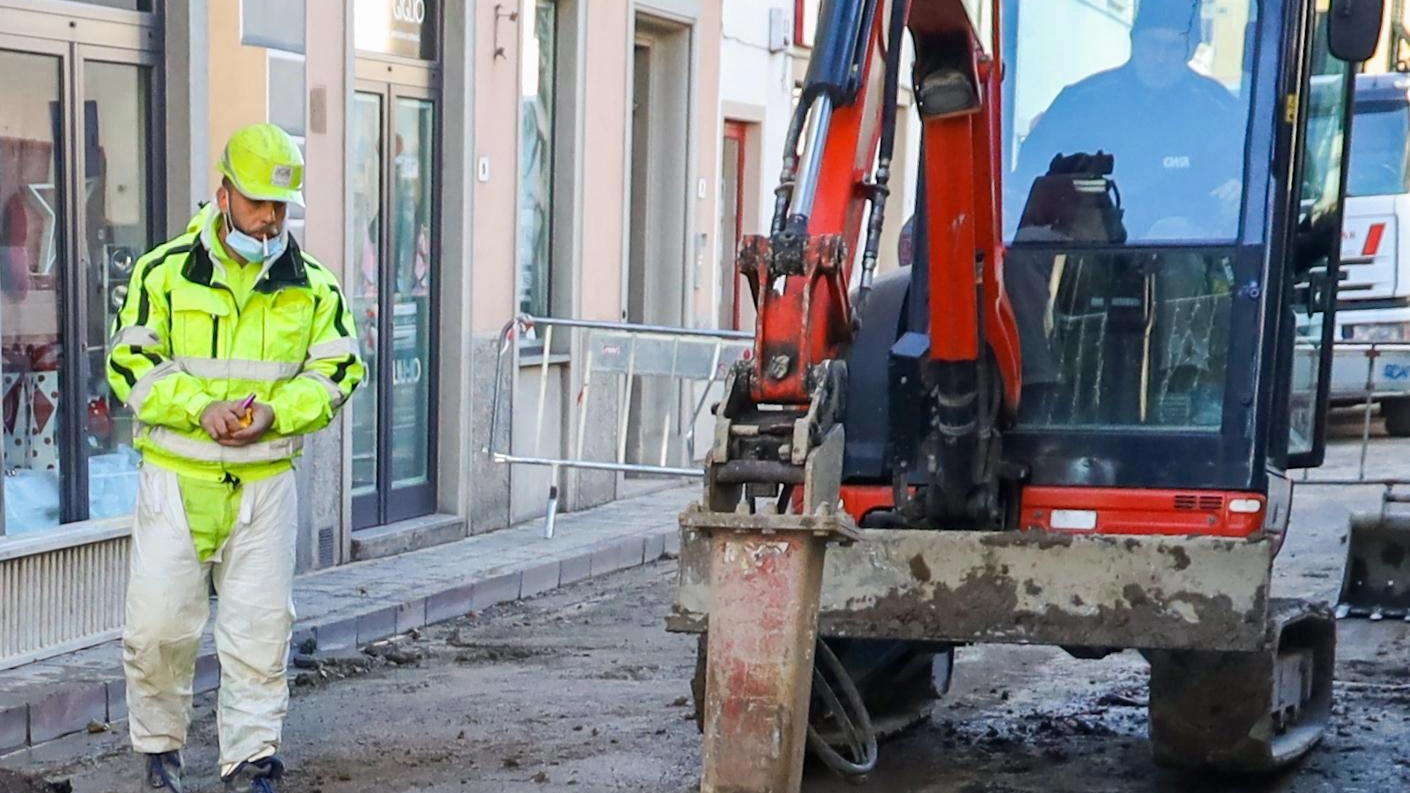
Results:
<point x="15" y="782"/>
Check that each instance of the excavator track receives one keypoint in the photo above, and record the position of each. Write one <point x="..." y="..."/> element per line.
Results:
<point x="1247" y="713"/>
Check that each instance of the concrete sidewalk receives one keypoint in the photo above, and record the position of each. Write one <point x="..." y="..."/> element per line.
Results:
<point x="355" y="604"/>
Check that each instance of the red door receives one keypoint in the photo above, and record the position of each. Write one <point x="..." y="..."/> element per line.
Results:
<point x="736" y="306"/>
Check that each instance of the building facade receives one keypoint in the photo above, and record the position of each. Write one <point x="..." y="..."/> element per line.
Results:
<point x="468" y="161"/>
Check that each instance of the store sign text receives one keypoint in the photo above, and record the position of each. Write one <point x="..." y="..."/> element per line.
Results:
<point x="405" y="28"/>
<point x="413" y="11"/>
<point x="406" y="371"/>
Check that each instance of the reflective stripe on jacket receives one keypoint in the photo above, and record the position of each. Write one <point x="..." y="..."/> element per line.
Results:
<point x="182" y="341"/>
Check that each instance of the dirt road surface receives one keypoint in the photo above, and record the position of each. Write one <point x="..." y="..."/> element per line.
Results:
<point x="582" y="691"/>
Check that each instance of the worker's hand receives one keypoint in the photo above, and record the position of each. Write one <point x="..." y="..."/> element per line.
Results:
<point x="261" y="420"/>
<point x="220" y="420"/>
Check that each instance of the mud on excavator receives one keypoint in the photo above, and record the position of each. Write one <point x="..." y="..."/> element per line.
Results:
<point x="1070" y="420"/>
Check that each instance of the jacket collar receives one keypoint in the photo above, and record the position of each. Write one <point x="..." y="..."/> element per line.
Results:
<point x="287" y="270"/>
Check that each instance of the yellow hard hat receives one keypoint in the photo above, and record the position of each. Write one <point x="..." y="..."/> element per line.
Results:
<point x="264" y="163"/>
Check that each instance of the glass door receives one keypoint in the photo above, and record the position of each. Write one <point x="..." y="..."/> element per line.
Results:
<point x="1317" y="249"/>
<point x="395" y="228"/>
<point x="364" y="277"/>
<point x="34" y="252"/>
<point x="116" y="226"/>
<point x="77" y="205"/>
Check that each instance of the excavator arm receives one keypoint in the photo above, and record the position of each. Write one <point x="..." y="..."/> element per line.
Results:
<point x="836" y="169"/>
<point x="773" y="479"/>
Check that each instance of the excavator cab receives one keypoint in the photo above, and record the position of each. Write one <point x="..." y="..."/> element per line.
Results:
<point x="1156" y="328"/>
<point x="1171" y="196"/>
<point x="1070" y="420"/>
<point x="1170" y="216"/>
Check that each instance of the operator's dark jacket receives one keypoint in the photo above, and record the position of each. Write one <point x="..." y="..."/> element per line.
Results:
<point x="1173" y="146"/>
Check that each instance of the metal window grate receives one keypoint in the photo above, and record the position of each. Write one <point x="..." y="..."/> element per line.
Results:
<point x="61" y="600"/>
<point x="325" y="547"/>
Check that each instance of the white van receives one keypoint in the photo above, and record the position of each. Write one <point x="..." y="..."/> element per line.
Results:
<point x="1373" y="294"/>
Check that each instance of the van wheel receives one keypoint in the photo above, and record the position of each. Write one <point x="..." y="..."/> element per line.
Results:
<point x="1397" y="416"/>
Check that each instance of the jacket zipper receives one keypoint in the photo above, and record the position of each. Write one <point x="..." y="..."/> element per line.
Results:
<point x="215" y="320"/>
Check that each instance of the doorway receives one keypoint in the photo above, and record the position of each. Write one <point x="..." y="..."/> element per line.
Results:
<point x="391" y="284"/>
<point x="658" y="260"/>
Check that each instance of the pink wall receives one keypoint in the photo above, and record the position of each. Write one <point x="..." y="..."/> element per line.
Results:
<point x="495" y="215"/>
<point x="709" y="132"/>
<point x="606" y="138"/>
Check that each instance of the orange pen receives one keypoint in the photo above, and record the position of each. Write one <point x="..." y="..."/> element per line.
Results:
<point x="247" y="413"/>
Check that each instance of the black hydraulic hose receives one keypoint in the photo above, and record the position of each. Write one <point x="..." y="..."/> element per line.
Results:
<point x="856" y="728"/>
<point x="984" y="388"/>
<point x="783" y="194"/>
<point x="881" y="190"/>
<point x="894" y="37"/>
<point x="860" y="46"/>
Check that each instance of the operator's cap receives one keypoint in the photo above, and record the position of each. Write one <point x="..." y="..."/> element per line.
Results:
<point x="264" y="163"/>
<point x="1178" y="15"/>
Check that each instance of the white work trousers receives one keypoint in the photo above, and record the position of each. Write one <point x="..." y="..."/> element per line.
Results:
<point x="168" y="606"/>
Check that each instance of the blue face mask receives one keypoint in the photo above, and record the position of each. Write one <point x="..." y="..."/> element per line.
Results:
<point x="251" y="249"/>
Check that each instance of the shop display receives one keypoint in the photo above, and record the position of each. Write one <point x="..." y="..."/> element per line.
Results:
<point x="54" y="399"/>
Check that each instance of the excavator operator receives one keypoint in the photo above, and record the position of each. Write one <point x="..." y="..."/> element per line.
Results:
<point x="1176" y="135"/>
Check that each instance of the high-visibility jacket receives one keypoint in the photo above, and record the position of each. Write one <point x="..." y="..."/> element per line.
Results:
<point x="183" y="341"/>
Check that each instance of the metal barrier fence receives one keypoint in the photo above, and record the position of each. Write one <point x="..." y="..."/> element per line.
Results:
<point x="629" y="354"/>
<point x="1374" y="579"/>
<point x="1386" y="367"/>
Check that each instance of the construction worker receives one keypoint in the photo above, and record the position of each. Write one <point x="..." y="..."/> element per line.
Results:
<point x="231" y="345"/>
<point x="1176" y="135"/>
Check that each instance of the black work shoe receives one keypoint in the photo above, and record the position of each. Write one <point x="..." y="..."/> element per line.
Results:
<point x="259" y="774"/>
<point x="164" y="771"/>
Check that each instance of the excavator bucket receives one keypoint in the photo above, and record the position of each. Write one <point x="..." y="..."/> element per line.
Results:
<point x="1376" y="581"/>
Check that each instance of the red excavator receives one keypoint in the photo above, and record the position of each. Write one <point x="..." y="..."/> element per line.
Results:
<point x="1069" y="418"/>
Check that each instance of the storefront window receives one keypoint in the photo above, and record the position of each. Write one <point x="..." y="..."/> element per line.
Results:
<point x="72" y="225"/>
<point x="536" y="155"/>
<point x="32" y="255"/>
